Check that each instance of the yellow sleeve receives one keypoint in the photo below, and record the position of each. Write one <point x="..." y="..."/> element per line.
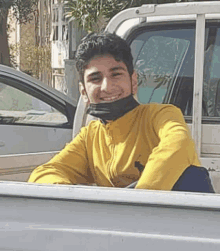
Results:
<point x="174" y="153"/>
<point x="70" y="166"/>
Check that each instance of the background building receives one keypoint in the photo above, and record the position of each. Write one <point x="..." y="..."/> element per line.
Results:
<point x="60" y="45"/>
<point x="40" y="47"/>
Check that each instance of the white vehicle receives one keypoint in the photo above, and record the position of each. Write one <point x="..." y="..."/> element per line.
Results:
<point x="176" y="50"/>
<point x="34" y="119"/>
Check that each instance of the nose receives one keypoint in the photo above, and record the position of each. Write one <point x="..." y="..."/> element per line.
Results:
<point x="107" y="85"/>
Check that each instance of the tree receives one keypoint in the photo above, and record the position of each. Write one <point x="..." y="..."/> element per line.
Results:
<point x="22" y="10"/>
<point x="87" y="12"/>
<point x="93" y="15"/>
<point x="37" y="58"/>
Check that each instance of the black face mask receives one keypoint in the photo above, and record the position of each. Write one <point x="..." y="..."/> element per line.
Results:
<point x="113" y="110"/>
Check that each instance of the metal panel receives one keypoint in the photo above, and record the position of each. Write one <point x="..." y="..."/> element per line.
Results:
<point x="18" y="167"/>
<point x="25" y="139"/>
<point x="106" y="219"/>
<point x="111" y="195"/>
<point x="163" y="10"/>
<point x="25" y="160"/>
<point x="80" y="115"/>
<point x="210" y="139"/>
<point x="47" y="238"/>
<point x="198" y="80"/>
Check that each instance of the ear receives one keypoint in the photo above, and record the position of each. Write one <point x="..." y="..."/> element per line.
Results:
<point x="134" y="80"/>
<point x="83" y="92"/>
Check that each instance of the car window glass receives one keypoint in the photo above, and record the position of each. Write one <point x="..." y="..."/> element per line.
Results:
<point x="18" y="107"/>
<point x="211" y="82"/>
<point x="158" y="58"/>
<point x="164" y="61"/>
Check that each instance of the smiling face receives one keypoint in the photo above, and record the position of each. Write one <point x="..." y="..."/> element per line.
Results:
<point x="107" y="80"/>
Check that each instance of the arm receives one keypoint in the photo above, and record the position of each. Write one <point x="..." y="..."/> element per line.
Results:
<point x="70" y="166"/>
<point x="174" y="153"/>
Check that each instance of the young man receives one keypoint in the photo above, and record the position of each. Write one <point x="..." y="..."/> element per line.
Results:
<point x="130" y="142"/>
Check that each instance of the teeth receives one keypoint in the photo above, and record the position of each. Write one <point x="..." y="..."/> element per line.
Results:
<point x="110" y="99"/>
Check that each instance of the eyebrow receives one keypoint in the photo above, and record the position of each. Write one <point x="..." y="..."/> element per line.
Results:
<point x="93" y="74"/>
<point x="112" y="70"/>
<point x="117" y="68"/>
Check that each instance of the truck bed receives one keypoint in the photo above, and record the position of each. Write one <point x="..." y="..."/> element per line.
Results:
<point x="60" y="217"/>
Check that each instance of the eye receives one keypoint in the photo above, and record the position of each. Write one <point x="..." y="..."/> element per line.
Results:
<point x="95" y="79"/>
<point x="116" y="74"/>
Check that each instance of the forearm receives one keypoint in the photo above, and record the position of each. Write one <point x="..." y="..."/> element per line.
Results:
<point x="70" y="166"/>
<point x="51" y="174"/>
<point x="174" y="153"/>
<point x="165" y="165"/>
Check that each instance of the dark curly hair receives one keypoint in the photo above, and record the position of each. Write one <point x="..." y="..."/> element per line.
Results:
<point x="95" y="44"/>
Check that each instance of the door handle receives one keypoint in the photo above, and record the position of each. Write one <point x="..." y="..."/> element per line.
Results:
<point x="2" y="143"/>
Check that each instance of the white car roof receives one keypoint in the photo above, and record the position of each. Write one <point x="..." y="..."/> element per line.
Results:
<point x="128" y="18"/>
<point x="130" y="23"/>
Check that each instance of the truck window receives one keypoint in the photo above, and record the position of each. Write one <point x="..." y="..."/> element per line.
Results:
<point x="164" y="61"/>
<point x="211" y="82"/>
<point x="163" y="58"/>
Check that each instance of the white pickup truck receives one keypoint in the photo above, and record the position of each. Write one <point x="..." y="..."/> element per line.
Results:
<point x="176" y="49"/>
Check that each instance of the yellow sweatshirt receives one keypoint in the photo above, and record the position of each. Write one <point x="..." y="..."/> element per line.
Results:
<point x="155" y="135"/>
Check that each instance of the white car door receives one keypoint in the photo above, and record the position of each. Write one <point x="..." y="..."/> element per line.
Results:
<point x="35" y="123"/>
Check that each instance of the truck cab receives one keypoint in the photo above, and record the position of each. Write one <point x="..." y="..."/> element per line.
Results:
<point x="176" y="54"/>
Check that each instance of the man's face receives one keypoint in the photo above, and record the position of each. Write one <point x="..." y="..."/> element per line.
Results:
<point x="107" y="80"/>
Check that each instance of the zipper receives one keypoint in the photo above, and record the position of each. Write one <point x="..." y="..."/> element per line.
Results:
<point x="112" y="149"/>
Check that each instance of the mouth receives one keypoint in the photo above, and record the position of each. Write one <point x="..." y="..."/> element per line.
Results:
<point x="110" y="99"/>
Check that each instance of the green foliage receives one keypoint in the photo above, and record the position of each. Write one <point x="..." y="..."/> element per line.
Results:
<point x="112" y="7"/>
<point x="89" y="12"/>
<point x="22" y="9"/>
<point x="5" y="4"/>
<point x="37" y="58"/>
<point x="23" y="12"/>
<point x="86" y="12"/>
